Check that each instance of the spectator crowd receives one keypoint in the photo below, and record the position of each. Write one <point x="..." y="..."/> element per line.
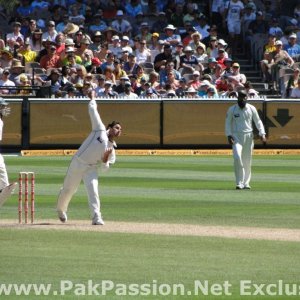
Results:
<point x="145" y="49"/>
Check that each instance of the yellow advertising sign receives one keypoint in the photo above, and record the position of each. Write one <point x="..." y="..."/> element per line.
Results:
<point x="12" y="132"/>
<point x="283" y="120"/>
<point x="197" y="123"/>
<point x="68" y="123"/>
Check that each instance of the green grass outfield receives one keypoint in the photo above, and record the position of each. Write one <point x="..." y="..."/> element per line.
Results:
<point x="158" y="189"/>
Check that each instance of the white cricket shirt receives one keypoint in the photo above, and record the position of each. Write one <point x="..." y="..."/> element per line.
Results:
<point x="240" y="120"/>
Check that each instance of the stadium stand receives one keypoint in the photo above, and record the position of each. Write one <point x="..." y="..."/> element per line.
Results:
<point x="127" y="39"/>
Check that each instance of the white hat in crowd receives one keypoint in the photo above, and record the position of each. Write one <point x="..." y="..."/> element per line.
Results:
<point x="222" y="42"/>
<point x="70" y="49"/>
<point x="115" y="38"/>
<point x="170" y="27"/>
<point x="191" y="90"/>
<point x="293" y="36"/>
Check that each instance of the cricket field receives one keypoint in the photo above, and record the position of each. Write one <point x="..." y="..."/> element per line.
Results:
<point x="176" y="228"/>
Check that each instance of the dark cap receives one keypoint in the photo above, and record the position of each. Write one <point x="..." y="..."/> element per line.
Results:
<point x="242" y="94"/>
<point x="233" y="94"/>
<point x="55" y="71"/>
<point x="192" y="29"/>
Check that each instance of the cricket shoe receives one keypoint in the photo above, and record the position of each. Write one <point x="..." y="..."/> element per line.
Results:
<point x="239" y="187"/>
<point x="97" y="220"/>
<point x="6" y="192"/>
<point x="247" y="187"/>
<point x="62" y="216"/>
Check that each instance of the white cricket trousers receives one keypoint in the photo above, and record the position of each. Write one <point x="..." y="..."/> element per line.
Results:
<point x="3" y="174"/>
<point x="77" y="171"/>
<point x="242" y="155"/>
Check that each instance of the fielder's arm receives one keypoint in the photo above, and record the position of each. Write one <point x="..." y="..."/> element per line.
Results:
<point x="228" y="125"/>
<point x="259" y="125"/>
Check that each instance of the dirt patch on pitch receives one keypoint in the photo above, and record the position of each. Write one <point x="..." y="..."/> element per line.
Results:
<point x="274" y="234"/>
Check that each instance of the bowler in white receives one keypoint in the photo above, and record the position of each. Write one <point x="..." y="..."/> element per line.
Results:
<point x="97" y="149"/>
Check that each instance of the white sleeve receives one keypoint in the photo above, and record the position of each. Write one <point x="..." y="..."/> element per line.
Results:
<point x="111" y="160"/>
<point x="258" y="123"/>
<point x="96" y="121"/>
<point x="1" y="129"/>
<point x="112" y="157"/>
<point x="228" y="121"/>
